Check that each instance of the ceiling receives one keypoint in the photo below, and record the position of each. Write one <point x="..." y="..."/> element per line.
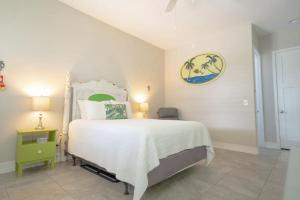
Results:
<point x="147" y="20"/>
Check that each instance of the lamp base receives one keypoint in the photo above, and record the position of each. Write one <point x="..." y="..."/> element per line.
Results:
<point x="40" y="124"/>
<point x="39" y="128"/>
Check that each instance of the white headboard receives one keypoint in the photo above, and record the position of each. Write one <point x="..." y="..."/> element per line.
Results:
<point x="82" y="91"/>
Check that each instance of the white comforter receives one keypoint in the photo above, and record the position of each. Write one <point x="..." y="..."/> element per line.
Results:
<point x="132" y="148"/>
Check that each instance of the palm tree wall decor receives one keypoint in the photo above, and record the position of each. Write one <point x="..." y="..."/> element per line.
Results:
<point x="189" y="65"/>
<point x="203" y="68"/>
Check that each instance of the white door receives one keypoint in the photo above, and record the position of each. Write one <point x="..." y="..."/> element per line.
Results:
<point x="288" y="85"/>
<point x="259" y="99"/>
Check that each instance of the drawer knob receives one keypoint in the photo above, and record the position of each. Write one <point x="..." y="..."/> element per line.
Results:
<point x="39" y="151"/>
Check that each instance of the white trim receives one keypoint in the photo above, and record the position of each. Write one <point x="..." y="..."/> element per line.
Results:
<point x="272" y="145"/>
<point x="279" y="140"/>
<point x="259" y="108"/>
<point x="236" y="147"/>
<point x="287" y="49"/>
<point x="6" y="167"/>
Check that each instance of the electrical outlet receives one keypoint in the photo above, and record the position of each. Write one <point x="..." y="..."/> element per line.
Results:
<point x="245" y="102"/>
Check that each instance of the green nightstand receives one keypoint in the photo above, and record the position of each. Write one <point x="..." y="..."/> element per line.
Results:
<point x="29" y="152"/>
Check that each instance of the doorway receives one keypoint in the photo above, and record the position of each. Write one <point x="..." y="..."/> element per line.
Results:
<point x="287" y="84"/>
<point x="259" y="99"/>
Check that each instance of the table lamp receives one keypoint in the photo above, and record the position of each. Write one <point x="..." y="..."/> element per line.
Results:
<point x="40" y="104"/>
<point x="144" y="107"/>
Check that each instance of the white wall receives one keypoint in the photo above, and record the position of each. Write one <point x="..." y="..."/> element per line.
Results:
<point x="219" y="104"/>
<point x="269" y="43"/>
<point x="41" y="40"/>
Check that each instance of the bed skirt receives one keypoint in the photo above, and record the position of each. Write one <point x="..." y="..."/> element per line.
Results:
<point x="175" y="163"/>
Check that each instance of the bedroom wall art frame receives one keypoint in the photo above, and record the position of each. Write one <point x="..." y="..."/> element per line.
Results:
<point x="2" y="66"/>
<point x="203" y="68"/>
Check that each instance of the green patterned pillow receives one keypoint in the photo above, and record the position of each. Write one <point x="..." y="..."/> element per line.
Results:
<point x="116" y="111"/>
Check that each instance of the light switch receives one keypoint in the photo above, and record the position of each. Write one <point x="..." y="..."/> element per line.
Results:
<point x="245" y="102"/>
<point x="148" y="88"/>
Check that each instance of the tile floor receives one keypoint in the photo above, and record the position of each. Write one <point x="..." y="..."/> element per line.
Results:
<point x="231" y="176"/>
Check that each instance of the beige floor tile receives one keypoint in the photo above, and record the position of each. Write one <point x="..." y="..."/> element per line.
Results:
<point x="50" y="196"/>
<point x="192" y="185"/>
<point x="3" y="193"/>
<point x="224" y="193"/>
<point x="158" y="191"/>
<point x="230" y="176"/>
<point x="39" y="187"/>
<point x="257" y="178"/>
<point x="62" y="168"/>
<point x="270" y="196"/>
<point x="211" y="175"/>
<point x="107" y="191"/>
<point x="175" y="191"/>
<point x="82" y="184"/>
<point x="5" y="178"/>
<point x="29" y="176"/>
<point x="284" y="156"/>
<point x="221" y="163"/>
<point x="272" y="191"/>
<point x="278" y="175"/>
<point x="241" y="186"/>
<point x="89" y="195"/>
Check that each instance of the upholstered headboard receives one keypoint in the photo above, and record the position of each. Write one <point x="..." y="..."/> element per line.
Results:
<point x="95" y="91"/>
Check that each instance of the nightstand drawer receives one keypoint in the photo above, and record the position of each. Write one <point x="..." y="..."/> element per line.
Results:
<point x="34" y="151"/>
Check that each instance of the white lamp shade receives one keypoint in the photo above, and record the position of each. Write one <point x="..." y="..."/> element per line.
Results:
<point x="40" y="103"/>
<point x="144" y="107"/>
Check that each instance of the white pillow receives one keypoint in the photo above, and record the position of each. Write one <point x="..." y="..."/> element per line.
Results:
<point x="92" y="110"/>
<point x="128" y="107"/>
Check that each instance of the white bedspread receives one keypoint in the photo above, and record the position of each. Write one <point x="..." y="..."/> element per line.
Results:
<point x="132" y="148"/>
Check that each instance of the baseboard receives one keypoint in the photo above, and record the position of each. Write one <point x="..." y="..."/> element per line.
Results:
<point x="272" y="145"/>
<point x="236" y="147"/>
<point x="6" y="167"/>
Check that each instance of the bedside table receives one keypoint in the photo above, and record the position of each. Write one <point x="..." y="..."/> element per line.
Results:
<point x="29" y="152"/>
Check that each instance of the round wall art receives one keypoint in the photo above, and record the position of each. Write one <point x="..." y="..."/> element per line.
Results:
<point x="203" y="68"/>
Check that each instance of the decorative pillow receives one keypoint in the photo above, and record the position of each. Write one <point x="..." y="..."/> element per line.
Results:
<point x="116" y="111"/>
<point x="128" y="108"/>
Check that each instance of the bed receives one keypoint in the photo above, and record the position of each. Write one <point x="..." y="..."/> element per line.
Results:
<point x="141" y="152"/>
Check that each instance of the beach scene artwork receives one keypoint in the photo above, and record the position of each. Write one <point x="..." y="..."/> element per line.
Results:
<point x="203" y="68"/>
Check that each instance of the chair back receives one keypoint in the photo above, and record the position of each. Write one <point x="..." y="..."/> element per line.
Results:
<point x="168" y="113"/>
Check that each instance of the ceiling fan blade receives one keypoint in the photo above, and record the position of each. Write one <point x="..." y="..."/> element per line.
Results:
<point x="171" y="5"/>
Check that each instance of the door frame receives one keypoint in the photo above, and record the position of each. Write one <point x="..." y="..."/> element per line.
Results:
<point x="259" y="99"/>
<point x="279" y="136"/>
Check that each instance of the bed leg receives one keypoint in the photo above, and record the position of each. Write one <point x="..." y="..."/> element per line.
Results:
<point x="126" y="189"/>
<point x="74" y="160"/>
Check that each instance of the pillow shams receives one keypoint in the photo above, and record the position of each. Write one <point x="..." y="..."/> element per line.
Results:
<point x="92" y="110"/>
<point x="83" y="113"/>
